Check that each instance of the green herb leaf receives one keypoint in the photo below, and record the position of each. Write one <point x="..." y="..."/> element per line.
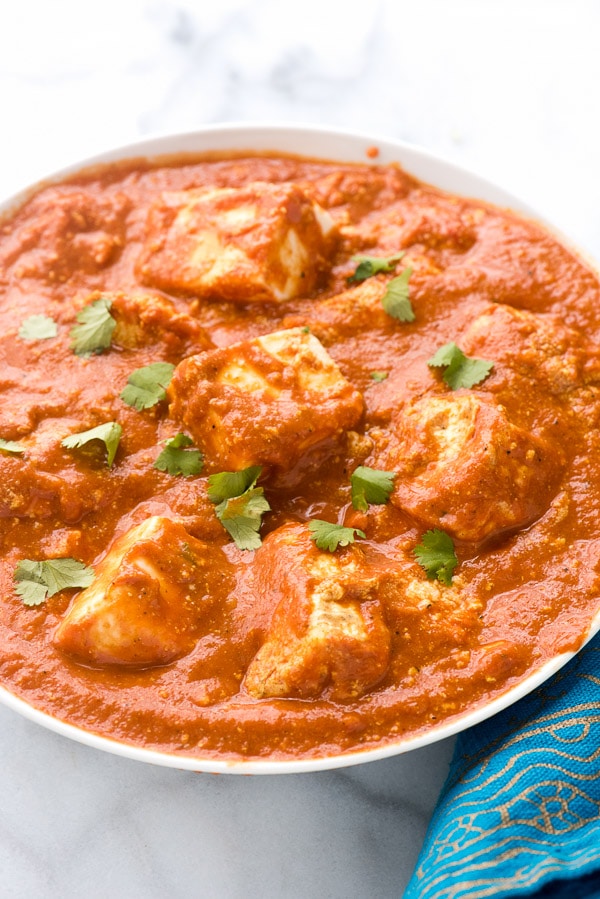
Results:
<point x="228" y="484"/>
<point x="11" y="446"/>
<point x="370" y="485"/>
<point x="147" y="386"/>
<point x="379" y="376"/>
<point x="436" y="555"/>
<point x="241" y="504"/>
<point x="177" y="458"/>
<point x="109" y="434"/>
<point x="460" y="371"/>
<point x="372" y="265"/>
<point x="396" y="300"/>
<point x="38" y="327"/>
<point x="241" y="516"/>
<point x="329" y="536"/>
<point x="95" y="329"/>
<point x="35" y="581"/>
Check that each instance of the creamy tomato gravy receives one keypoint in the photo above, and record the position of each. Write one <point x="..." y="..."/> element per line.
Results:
<point x="287" y="651"/>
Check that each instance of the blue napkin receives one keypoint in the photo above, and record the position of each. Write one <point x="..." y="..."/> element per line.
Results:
<point x="520" y="812"/>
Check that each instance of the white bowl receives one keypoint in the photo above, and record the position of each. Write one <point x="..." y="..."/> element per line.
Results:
<point x="338" y="146"/>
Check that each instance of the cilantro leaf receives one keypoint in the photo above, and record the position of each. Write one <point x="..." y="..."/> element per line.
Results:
<point x="370" y="485"/>
<point x="228" y="484"/>
<point x="379" y="376"/>
<point x="95" y="329"/>
<point x="460" y="370"/>
<point x="36" y="581"/>
<point x="177" y="458"/>
<point x="241" y="516"/>
<point x="147" y="386"/>
<point x="109" y="434"/>
<point x="241" y="504"/>
<point x="436" y="555"/>
<point x="396" y="300"/>
<point x="329" y="536"/>
<point x="372" y="265"/>
<point x="11" y="446"/>
<point x="32" y="592"/>
<point x="38" y="327"/>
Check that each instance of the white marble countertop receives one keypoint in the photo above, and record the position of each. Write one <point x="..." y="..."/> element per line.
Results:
<point x="507" y="88"/>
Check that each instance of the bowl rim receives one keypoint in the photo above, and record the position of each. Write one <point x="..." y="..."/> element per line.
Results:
<point x="306" y="765"/>
<point x="336" y="145"/>
<point x="289" y="138"/>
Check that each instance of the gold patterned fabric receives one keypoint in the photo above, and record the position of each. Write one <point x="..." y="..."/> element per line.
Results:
<point x="520" y="812"/>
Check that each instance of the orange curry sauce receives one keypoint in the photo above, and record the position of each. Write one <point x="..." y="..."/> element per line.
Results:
<point x="289" y="651"/>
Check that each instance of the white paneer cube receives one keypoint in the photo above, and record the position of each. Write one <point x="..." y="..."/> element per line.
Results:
<point x="259" y="243"/>
<point x="463" y="466"/>
<point x="522" y="342"/>
<point x="327" y="633"/>
<point x="150" y="319"/>
<point x="149" y="600"/>
<point x="266" y="401"/>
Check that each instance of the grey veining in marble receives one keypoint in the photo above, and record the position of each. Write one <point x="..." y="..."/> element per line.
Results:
<point x="508" y="88"/>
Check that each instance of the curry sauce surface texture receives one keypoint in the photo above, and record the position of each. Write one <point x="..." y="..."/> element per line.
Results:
<point x="286" y="365"/>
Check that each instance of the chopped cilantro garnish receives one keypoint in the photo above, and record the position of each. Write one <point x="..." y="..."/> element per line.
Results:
<point x="36" y="581"/>
<point x="329" y="536"/>
<point x="177" y="457"/>
<point x="460" y="370"/>
<point x="38" y="327"/>
<point x="95" y="329"/>
<point x="436" y="555"/>
<point x="228" y="484"/>
<point x="11" y="446"/>
<point x="396" y="300"/>
<point x="241" y="504"/>
<point x="147" y="386"/>
<point x="370" y="485"/>
<point x="379" y="376"/>
<point x="241" y="516"/>
<point x="372" y="265"/>
<point x="109" y="434"/>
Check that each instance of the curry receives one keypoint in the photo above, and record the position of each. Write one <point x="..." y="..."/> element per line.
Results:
<point x="297" y="457"/>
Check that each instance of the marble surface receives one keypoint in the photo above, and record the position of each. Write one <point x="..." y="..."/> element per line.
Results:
<point x="507" y="88"/>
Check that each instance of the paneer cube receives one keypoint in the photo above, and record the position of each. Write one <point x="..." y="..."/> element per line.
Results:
<point x="327" y="634"/>
<point x="464" y="467"/>
<point x="428" y="619"/>
<point x="266" y="401"/>
<point x="537" y="347"/>
<point x="148" y="320"/>
<point x="354" y="311"/>
<point x="70" y="232"/>
<point x="45" y="481"/>
<point x="149" y="601"/>
<point x="259" y="243"/>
